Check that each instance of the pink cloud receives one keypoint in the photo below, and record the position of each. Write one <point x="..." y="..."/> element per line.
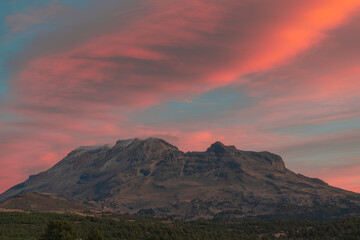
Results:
<point x="159" y="55"/>
<point x="346" y="177"/>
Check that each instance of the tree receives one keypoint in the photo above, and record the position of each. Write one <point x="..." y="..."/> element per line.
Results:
<point x="59" y="230"/>
<point x="95" y="234"/>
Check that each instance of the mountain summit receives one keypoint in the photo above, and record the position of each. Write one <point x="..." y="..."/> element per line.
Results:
<point x="153" y="177"/>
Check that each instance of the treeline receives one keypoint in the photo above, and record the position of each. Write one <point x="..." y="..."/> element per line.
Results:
<point x="41" y="226"/>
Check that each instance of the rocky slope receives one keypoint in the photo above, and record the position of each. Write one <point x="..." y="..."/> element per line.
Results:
<point x="153" y="177"/>
<point x="40" y="202"/>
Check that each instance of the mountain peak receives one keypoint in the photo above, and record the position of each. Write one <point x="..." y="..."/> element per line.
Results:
<point x="126" y="142"/>
<point x="153" y="142"/>
<point x="149" y="140"/>
<point x="218" y="143"/>
<point x="220" y="149"/>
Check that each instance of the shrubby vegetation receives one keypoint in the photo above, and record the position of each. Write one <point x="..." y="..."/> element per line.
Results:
<point x="63" y="227"/>
<point x="59" y="230"/>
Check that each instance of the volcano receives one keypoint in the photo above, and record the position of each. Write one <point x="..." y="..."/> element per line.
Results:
<point x="154" y="178"/>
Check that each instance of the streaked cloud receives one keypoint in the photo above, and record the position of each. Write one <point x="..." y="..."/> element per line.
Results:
<point x="33" y="16"/>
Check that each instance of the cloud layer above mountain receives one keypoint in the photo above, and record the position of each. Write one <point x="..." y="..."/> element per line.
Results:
<point x="275" y="75"/>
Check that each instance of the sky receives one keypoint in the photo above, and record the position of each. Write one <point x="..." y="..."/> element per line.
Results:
<point x="280" y="76"/>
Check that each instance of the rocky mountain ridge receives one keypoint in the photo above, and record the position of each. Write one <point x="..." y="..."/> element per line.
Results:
<point x="153" y="177"/>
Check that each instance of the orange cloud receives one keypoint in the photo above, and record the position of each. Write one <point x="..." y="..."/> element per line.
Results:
<point x="162" y="53"/>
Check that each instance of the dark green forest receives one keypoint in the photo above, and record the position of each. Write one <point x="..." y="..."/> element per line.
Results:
<point x="63" y="226"/>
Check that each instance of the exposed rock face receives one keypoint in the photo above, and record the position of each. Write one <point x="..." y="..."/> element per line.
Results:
<point x="154" y="177"/>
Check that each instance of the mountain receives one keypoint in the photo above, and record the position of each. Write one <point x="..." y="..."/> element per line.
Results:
<point x="40" y="202"/>
<point x="153" y="177"/>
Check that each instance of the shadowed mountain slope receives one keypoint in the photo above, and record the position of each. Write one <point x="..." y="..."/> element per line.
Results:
<point x="153" y="177"/>
<point x="40" y="202"/>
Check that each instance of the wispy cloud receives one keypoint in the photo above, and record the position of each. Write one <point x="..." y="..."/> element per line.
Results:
<point x="34" y="16"/>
